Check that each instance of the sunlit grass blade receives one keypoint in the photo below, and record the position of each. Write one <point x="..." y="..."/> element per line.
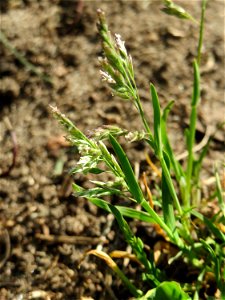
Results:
<point x="167" y="204"/>
<point x="125" y="211"/>
<point x="135" y="214"/>
<point x="179" y="173"/>
<point x="217" y="233"/>
<point x="157" y="121"/>
<point x="219" y="193"/>
<point x="197" y="164"/>
<point x="127" y="170"/>
<point x="134" y="186"/>
<point x="177" y="168"/>
<point x="124" y="254"/>
<point x="163" y="157"/>
<point x="196" y="88"/>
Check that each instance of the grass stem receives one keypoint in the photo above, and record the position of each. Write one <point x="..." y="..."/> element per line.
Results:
<point x="191" y="134"/>
<point x="201" y="31"/>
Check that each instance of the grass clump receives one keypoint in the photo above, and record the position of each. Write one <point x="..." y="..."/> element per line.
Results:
<point x="202" y="250"/>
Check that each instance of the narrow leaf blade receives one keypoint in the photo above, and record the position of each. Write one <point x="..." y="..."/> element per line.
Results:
<point x="157" y="120"/>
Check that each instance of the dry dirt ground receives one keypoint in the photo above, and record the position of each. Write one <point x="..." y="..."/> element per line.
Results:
<point x="59" y="38"/>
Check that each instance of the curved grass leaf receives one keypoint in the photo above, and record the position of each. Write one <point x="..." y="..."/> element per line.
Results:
<point x="127" y="170"/>
<point x="134" y="186"/>
<point x="197" y="164"/>
<point x="179" y="173"/>
<point x="125" y="211"/>
<point x="164" y="160"/>
<point x="219" y="193"/>
<point x="218" y="233"/>
<point x="167" y="201"/>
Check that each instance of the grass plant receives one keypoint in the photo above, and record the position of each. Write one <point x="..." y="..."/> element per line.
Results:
<point x="200" y="247"/>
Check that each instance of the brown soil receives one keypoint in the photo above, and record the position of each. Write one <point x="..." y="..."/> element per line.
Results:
<point x="59" y="37"/>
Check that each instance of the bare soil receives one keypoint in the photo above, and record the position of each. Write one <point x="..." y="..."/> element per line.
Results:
<point x="59" y="37"/>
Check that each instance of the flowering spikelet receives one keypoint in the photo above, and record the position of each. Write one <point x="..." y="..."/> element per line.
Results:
<point x="117" y="68"/>
<point x="120" y="45"/>
<point x="136" y="136"/>
<point x="176" y="10"/>
<point x="103" y="132"/>
<point x="106" y="77"/>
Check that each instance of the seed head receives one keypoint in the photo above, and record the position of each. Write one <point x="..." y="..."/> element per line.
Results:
<point x="120" y="45"/>
<point x="106" y="77"/>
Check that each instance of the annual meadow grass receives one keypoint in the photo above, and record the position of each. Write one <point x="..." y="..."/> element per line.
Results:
<point x="178" y="218"/>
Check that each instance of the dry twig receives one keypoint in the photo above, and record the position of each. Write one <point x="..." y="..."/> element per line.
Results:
<point x="82" y="240"/>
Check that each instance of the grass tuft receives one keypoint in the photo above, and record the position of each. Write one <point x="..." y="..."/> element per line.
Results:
<point x="198" y="239"/>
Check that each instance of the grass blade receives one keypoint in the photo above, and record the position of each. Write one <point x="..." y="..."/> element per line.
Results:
<point x="167" y="147"/>
<point x="197" y="165"/>
<point x="167" y="204"/>
<point x="159" y="151"/>
<point x="157" y="121"/>
<point x="218" y="234"/>
<point x="134" y="186"/>
<point x="219" y="193"/>
<point x="127" y="170"/>
<point x="125" y="211"/>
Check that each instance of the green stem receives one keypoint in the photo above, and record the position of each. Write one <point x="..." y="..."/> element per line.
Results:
<point x="176" y="201"/>
<point x="160" y="222"/>
<point x="191" y="143"/>
<point x="134" y="291"/>
<point x="201" y="31"/>
<point x="191" y="134"/>
<point x="134" y="91"/>
<point x="138" y="105"/>
<point x="145" y="123"/>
